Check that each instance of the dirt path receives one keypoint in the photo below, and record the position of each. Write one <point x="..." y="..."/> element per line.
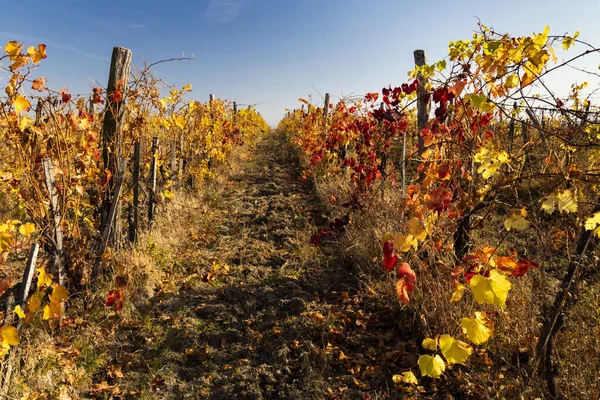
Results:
<point x="253" y="311"/>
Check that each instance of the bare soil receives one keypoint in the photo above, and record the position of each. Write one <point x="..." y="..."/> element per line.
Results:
<point x="252" y="310"/>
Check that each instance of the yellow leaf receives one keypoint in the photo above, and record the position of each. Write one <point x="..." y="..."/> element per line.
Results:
<point x="13" y="49"/>
<point x="592" y="221"/>
<point x="168" y="194"/>
<point x="432" y="366"/>
<point x="512" y="81"/>
<point x="405" y="243"/>
<point x="27" y="229"/>
<point x="429" y="344"/>
<point x="490" y="162"/>
<point x="5" y="348"/>
<point x="59" y="293"/>
<point x="549" y="204"/>
<point x="516" y="220"/>
<point x="458" y="293"/>
<point x="44" y="278"/>
<point x="417" y="229"/>
<point x="566" y="202"/>
<point x="21" y="104"/>
<point x="52" y="310"/>
<point x="479" y="101"/>
<point x="479" y="329"/>
<point x="25" y="122"/>
<point x="19" y="311"/>
<point x="38" y="54"/>
<point x="541" y="39"/>
<point x="569" y="41"/>
<point x="10" y="335"/>
<point x="405" y="377"/>
<point x="5" y="241"/>
<point x="455" y="351"/>
<point x="492" y="290"/>
<point x="179" y="121"/>
<point x="34" y="302"/>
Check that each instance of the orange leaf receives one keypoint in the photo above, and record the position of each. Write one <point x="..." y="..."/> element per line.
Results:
<point x="38" y="84"/>
<point x="116" y="96"/>
<point x="506" y="264"/>
<point x="402" y="288"/>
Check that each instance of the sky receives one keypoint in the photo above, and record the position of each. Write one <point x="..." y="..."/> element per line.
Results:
<point x="269" y="53"/>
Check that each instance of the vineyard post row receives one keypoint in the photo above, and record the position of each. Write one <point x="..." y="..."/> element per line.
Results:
<point x="116" y="164"/>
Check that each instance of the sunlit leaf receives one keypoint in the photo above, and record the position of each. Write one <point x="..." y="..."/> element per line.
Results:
<point x="432" y="366"/>
<point x="455" y="351"/>
<point x="492" y="290"/>
<point x="569" y="41"/>
<point x="5" y="241"/>
<point x="21" y="104"/>
<point x="512" y="81"/>
<point x="592" y="223"/>
<point x="10" y="335"/>
<point x="458" y="293"/>
<point x="38" y="54"/>
<point x="405" y="377"/>
<point x="19" y="311"/>
<point x="479" y="329"/>
<point x="44" y="278"/>
<point x="516" y="220"/>
<point x="27" y="229"/>
<point x="429" y="344"/>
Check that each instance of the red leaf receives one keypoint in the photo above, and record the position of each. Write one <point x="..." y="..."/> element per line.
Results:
<point x="523" y="265"/>
<point x="315" y="239"/>
<point x="390" y="262"/>
<point x="115" y="298"/>
<point x="388" y="248"/>
<point x="65" y="97"/>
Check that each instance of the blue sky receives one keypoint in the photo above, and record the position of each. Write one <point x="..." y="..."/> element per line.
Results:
<point x="271" y="52"/>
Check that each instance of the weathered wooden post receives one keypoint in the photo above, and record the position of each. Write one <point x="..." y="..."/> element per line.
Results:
<point x="133" y="223"/>
<point x="57" y="263"/>
<point x="422" y="99"/>
<point x="180" y="171"/>
<point x="118" y="78"/>
<point x="111" y="223"/>
<point x="326" y="106"/>
<point x="151" y="193"/>
<point x="39" y="108"/>
<point x="173" y="161"/>
<point x="511" y="130"/>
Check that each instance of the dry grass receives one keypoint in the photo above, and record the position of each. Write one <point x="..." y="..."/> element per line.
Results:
<point x="500" y="368"/>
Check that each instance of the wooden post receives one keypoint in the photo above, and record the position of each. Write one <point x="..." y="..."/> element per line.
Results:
<point x="21" y="296"/>
<point x="180" y="171"/>
<point x="511" y="130"/>
<point x="234" y="107"/>
<point x="173" y="161"/>
<point x="118" y="77"/>
<point x="38" y="112"/>
<point x="326" y="106"/>
<point x="57" y="264"/>
<point x="423" y="101"/>
<point x="111" y="218"/>
<point x="151" y="193"/>
<point x="133" y="223"/>
<point x="403" y="170"/>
